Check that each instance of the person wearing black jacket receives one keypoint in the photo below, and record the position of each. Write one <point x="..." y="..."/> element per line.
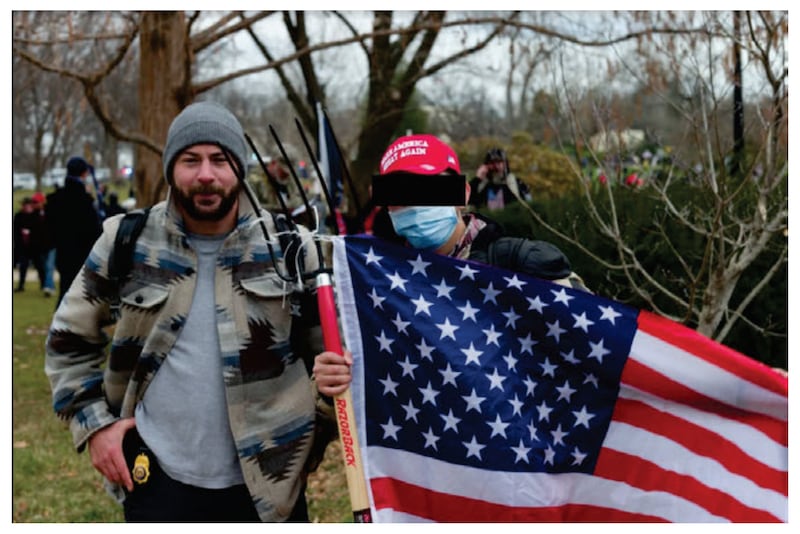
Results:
<point x="495" y="186"/>
<point x="27" y="234"/>
<point x="73" y="223"/>
<point x="463" y="235"/>
<point x="445" y="230"/>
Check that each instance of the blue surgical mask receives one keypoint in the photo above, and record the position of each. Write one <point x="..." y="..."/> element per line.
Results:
<point x="425" y="227"/>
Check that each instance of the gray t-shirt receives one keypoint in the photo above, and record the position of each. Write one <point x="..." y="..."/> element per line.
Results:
<point x="183" y="416"/>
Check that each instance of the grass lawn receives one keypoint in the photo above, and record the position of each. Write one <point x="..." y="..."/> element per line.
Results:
<point x="54" y="484"/>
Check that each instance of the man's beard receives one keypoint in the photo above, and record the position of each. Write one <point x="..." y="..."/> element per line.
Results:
<point x="187" y="202"/>
<point x="497" y="177"/>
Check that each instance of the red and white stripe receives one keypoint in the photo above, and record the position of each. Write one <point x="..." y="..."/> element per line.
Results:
<point x="699" y="434"/>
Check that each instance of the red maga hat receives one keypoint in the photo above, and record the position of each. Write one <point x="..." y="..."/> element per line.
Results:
<point x="419" y="154"/>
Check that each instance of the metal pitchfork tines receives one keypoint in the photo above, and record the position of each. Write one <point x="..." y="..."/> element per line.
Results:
<point x="343" y="403"/>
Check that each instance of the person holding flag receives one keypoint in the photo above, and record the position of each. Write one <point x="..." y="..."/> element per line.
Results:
<point x="448" y="231"/>
<point x="499" y="389"/>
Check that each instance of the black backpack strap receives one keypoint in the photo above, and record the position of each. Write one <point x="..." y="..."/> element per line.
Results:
<point x="120" y="262"/>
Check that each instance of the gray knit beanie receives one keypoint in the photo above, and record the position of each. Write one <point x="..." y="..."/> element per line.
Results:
<point x="204" y="122"/>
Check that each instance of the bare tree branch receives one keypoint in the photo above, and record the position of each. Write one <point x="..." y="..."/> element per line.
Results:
<point x="468" y="21"/>
<point x="353" y="31"/>
<point x="738" y="313"/>
<point x="220" y="29"/>
<point x="90" y="81"/>
<point x="461" y="54"/>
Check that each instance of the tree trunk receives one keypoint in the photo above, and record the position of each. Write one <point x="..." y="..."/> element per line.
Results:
<point x="164" y="45"/>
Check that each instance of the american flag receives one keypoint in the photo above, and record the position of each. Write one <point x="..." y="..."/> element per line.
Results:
<point x="485" y="395"/>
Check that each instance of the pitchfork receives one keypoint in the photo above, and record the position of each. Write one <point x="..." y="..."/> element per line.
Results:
<point x="343" y="403"/>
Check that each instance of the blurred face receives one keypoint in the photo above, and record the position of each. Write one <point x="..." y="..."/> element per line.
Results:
<point x="467" y="191"/>
<point x="205" y="187"/>
<point x="496" y="167"/>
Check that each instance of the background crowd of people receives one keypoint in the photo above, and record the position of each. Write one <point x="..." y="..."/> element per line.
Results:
<point x="32" y="244"/>
<point x="55" y="233"/>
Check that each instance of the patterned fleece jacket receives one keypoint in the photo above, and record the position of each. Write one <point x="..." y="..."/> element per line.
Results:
<point x="273" y="407"/>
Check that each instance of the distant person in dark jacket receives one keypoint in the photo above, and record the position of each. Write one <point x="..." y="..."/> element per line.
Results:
<point x="73" y="222"/>
<point x="495" y="186"/>
<point x="24" y="235"/>
<point x="44" y="252"/>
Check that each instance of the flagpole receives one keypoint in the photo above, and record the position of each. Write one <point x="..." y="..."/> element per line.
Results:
<point x="342" y="403"/>
<point x="343" y="406"/>
<point x="345" y="170"/>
